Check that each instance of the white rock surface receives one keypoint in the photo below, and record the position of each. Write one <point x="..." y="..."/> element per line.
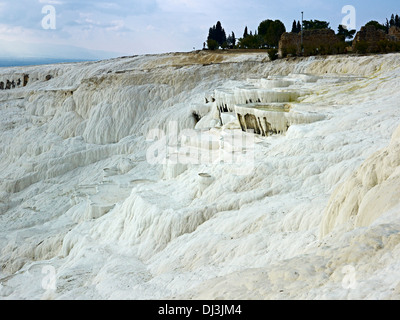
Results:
<point x="312" y="214"/>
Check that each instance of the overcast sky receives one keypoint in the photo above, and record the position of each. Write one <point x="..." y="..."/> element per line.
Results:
<point x="155" y="26"/>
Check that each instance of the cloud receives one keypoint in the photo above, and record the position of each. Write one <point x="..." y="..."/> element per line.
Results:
<point x="153" y="26"/>
<point x="120" y="8"/>
<point x="23" y="13"/>
<point x="28" y="13"/>
<point x="50" y="2"/>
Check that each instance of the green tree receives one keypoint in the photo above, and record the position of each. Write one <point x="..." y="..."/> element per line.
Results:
<point x="315" y="25"/>
<point x="264" y="27"/>
<point x="217" y="33"/>
<point x="231" y="40"/>
<point x="362" y="47"/>
<point x="250" y="42"/>
<point x="273" y="54"/>
<point x="345" y="34"/>
<point x="392" y="21"/>
<point x="377" y="25"/>
<point x="221" y="35"/>
<point x="212" y="44"/>
<point x="271" y="32"/>
<point x="245" y="33"/>
<point x="296" y="27"/>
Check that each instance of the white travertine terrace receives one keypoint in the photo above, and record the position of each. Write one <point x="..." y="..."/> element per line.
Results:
<point x="272" y="119"/>
<point x="311" y="214"/>
<point x="263" y="106"/>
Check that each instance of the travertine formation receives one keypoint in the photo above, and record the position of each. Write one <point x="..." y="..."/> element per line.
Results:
<point x="118" y="181"/>
<point x="270" y="105"/>
<point x="272" y="119"/>
<point x="370" y="192"/>
<point x="13" y="81"/>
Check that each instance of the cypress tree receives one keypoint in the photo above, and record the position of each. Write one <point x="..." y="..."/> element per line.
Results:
<point x="211" y="34"/>
<point x="294" y="27"/>
<point x="217" y="33"/>
<point x="246" y="33"/>
<point x="231" y="40"/>
<point x="298" y="27"/>
<point x="220" y="34"/>
<point x="392" y="21"/>
<point x="315" y="25"/>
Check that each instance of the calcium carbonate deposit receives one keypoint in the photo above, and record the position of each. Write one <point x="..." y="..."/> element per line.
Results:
<point x="201" y="176"/>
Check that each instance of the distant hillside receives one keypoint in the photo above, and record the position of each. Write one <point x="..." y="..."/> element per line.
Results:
<point x="12" y="50"/>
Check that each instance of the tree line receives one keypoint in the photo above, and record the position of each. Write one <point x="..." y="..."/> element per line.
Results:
<point x="393" y="22"/>
<point x="269" y="32"/>
<point x="267" y="35"/>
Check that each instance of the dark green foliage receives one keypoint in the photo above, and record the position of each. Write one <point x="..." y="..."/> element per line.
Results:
<point x="250" y="42"/>
<point x="289" y="51"/>
<point x="339" y="48"/>
<point x="296" y="27"/>
<point x="345" y="34"/>
<point x="212" y="44"/>
<point x="273" y="54"/>
<point x="385" y="46"/>
<point x="392" y="22"/>
<point x="271" y="32"/>
<point x="268" y="35"/>
<point x="377" y="25"/>
<point x="231" y="41"/>
<point x="264" y="27"/>
<point x="217" y="33"/>
<point x="361" y="47"/>
<point x="310" y="50"/>
<point x="315" y="25"/>
<point x="245" y="33"/>
<point x="387" y="26"/>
